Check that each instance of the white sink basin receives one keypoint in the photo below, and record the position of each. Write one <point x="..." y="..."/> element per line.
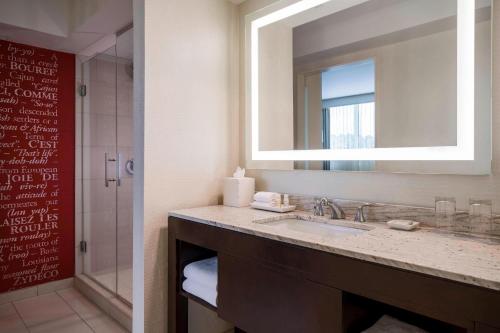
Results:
<point x="336" y="228"/>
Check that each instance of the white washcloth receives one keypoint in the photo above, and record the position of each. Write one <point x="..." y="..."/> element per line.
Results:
<point x="205" y="293"/>
<point x="388" y="324"/>
<point x="203" y="272"/>
<point x="268" y="197"/>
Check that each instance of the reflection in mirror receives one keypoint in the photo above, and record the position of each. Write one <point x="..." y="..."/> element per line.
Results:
<point x="347" y="115"/>
<point x="379" y="74"/>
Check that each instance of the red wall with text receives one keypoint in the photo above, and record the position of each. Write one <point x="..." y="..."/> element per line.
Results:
<point x="37" y="165"/>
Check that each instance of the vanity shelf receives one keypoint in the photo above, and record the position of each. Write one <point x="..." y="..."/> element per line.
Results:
<point x="360" y="313"/>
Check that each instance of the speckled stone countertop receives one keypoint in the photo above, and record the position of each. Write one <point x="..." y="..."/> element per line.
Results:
<point x="464" y="258"/>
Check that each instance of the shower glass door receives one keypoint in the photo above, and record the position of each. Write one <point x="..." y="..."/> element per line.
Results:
<point x="107" y="167"/>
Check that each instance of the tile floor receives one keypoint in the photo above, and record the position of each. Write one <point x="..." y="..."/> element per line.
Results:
<point x="122" y="283"/>
<point x="63" y="311"/>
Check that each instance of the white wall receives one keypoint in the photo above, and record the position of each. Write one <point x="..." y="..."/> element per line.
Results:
<point x="190" y="129"/>
<point x="383" y="187"/>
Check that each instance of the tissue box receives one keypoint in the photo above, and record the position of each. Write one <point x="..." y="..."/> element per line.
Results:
<point x="238" y="192"/>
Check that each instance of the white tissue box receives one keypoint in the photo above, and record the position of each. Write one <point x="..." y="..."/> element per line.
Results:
<point x="238" y="192"/>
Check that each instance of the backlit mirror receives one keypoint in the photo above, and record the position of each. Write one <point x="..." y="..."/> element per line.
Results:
<point x="378" y="85"/>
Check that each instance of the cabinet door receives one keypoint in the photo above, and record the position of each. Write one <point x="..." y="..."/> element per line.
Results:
<point x="260" y="298"/>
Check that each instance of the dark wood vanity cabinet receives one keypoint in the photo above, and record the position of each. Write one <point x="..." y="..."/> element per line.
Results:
<point x="261" y="298"/>
<point x="270" y="286"/>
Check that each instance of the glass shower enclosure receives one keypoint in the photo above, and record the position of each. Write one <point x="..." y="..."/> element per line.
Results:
<point x="107" y="168"/>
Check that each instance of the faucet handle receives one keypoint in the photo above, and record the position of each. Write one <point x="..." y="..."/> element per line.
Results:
<point x="360" y="216"/>
<point x="318" y="207"/>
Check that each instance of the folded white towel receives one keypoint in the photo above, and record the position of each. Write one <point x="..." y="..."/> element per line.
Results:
<point x="263" y="205"/>
<point x="388" y="324"/>
<point x="268" y="197"/>
<point x="203" y="272"/>
<point x="205" y="293"/>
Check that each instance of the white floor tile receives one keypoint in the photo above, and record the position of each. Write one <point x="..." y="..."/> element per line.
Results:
<point x="41" y="309"/>
<point x="108" y="279"/>
<point x="105" y="324"/>
<point x="80" y="304"/>
<point x="17" y="295"/>
<point x="66" y="311"/>
<point x="10" y="322"/>
<point x="68" y="324"/>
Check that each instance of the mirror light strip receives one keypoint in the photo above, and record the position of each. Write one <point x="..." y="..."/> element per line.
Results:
<point x="465" y="99"/>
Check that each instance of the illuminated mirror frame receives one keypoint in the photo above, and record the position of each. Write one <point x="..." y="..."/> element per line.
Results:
<point x="464" y="150"/>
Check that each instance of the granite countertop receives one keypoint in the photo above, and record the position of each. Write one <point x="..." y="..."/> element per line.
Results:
<point x="468" y="259"/>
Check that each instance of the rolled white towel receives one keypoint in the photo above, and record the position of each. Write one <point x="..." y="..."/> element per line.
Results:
<point x="203" y="272"/>
<point x="388" y="324"/>
<point x="205" y="293"/>
<point x="268" y="197"/>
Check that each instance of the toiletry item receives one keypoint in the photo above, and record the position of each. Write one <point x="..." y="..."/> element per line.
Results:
<point x="268" y="197"/>
<point x="286" y="200"/>
<point x="272" y="208"/>
<point x="403" y="224"/>
<point x="238" y="191"/>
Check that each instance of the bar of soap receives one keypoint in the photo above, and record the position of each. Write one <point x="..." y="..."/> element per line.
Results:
<point x="403" y="224"/>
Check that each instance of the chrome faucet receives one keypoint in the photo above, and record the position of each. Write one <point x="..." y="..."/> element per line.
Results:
<point x="360" y="216"/>
<point x="336" y="211"/>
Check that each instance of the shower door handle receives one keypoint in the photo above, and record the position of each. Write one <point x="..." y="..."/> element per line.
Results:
<point x="118" y="169"/>
<point x="106" y="179"/>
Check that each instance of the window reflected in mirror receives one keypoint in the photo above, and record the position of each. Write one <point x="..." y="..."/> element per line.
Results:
<point x="348" y="106"/>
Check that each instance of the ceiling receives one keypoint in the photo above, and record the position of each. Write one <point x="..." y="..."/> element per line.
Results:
<point x="64" y="25"/>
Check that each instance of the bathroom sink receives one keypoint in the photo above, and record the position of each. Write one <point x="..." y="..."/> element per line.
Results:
<point x="332" y="229"/>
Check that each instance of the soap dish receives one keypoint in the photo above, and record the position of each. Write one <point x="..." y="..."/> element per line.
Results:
<point x="403" y="224"/>
<point x="277" y="209"/>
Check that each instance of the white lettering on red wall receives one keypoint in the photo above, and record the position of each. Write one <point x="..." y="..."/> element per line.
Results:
<point x="37" y="149"/>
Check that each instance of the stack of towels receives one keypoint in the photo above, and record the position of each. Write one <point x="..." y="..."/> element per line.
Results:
<point x="201" y="279"/>
<point x="265" y="200"/>
<point x="388" y="324"/>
